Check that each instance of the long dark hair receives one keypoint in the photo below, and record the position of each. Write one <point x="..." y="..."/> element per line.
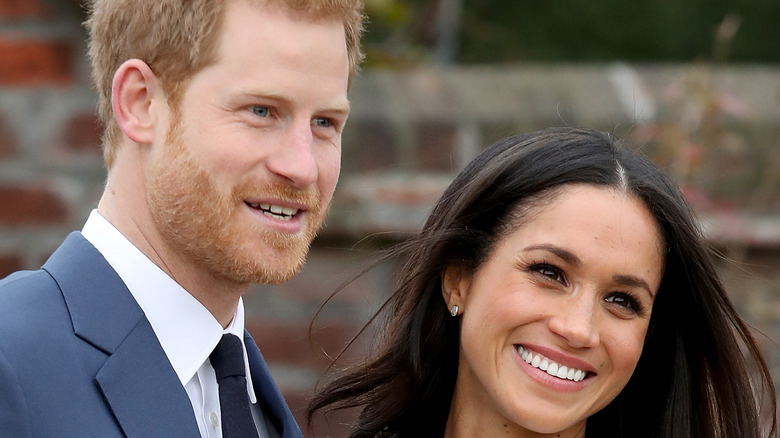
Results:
<point x="691" y="380"/>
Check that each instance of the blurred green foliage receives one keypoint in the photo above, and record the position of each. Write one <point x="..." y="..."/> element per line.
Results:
<point x="405" y="32"/>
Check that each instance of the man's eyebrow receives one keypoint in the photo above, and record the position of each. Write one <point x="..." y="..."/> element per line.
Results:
<point x="340" y="107"/>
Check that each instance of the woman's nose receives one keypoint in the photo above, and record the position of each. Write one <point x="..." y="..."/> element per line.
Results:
<point x="574" y="321"/>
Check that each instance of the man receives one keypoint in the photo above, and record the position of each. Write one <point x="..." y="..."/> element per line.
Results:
<point x="223" y="125"/>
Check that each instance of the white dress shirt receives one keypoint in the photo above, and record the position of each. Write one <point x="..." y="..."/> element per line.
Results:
<point x="187" y="331"/>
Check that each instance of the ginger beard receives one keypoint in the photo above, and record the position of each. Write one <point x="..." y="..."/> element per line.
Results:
<point x="209" y="227"/>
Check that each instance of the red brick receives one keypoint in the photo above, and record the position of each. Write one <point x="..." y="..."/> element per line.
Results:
<point x="23" y="9"/>
<point x="82" y="133"/>
<point x="36" y="205"/>
<point x="9" y="263"/>
<point x="437" y="148"/>
<point x="335" y="424"/>
<point x="325" y="270"/>
<point x="7" y="140"/>
<point x="373" y="147"/>
<point x="288" y="342"/>
<point x="36" y="62"/>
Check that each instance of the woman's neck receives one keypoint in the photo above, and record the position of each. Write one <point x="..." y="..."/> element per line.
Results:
<point x="467" y="423"/>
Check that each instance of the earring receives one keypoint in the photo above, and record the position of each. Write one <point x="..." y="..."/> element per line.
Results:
<point x="454" y="310"/>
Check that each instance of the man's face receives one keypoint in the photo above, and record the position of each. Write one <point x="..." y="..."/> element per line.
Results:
<point x="252" y="152"/>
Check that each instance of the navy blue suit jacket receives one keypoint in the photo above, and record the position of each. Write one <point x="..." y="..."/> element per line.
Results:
<point x="78" y="358"/>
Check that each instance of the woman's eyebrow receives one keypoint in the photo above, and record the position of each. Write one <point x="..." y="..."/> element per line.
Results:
<point x="562" y="253"/>
<point x="632" y="281"/>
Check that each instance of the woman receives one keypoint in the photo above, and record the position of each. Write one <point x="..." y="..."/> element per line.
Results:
<point x="560" y="286"/>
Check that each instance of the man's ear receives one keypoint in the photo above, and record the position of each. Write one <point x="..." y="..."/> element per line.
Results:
<point x="455" y="283"/>
<point x="132" y="98"/>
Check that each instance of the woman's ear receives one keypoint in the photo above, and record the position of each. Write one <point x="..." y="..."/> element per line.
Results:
<point x="133" y="95"/>
<point x="455" y="283"/>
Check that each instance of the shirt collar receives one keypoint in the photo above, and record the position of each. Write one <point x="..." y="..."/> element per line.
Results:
<point x="187" y="331"/>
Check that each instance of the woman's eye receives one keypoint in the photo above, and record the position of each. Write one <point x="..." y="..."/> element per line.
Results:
<point x="260" y="111"/>
<point x="550" y="272"/>
<point x="625" y="301"/>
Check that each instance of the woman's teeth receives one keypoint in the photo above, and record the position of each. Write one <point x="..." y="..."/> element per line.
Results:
<point x="552" y="368"/>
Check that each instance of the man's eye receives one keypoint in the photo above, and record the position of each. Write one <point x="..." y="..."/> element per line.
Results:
<point x="323" y="122"/>
<point x="260" y="111"/>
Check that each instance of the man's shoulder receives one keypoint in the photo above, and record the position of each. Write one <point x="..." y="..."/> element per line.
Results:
<point x="33" y="286"/>
<point x="25" y="286"/>
<point x="28" y="299"/>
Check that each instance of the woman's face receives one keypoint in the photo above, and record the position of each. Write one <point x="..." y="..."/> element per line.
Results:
<point x="554" y="321"/>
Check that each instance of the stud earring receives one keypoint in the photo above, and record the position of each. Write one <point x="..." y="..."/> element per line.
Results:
<point x="454" y="310"/>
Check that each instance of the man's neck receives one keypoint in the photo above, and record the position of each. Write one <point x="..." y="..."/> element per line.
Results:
<point x="127" y="211"/>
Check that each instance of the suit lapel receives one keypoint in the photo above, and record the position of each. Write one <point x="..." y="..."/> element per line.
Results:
<point x="268" y="393"/>
<point x="143" y="390"/>
<point x="137" y="379"/>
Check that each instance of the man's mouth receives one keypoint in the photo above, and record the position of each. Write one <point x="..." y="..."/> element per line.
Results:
<point x="552" y="368"/>
<point x="275" y="211"/>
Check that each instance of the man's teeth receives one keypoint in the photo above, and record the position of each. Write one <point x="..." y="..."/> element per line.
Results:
<point x="552" y="368"/>
<point x="275" y="211"/>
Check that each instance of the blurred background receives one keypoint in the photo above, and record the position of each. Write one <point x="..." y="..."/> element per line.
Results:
<point x="695" y="85"/>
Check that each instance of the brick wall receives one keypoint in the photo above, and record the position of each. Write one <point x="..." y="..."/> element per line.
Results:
<point x="50" y="171"/>
<point x="716" y="130"/>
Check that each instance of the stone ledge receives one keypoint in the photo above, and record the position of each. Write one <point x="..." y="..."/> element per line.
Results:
<point x="534" y="94"/>
<point x="396" y="205"/>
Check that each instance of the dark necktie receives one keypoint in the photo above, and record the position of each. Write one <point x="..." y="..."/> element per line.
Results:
<point x="228" y="362"/>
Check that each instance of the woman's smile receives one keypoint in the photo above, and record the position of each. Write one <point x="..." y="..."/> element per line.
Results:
<point x="551" y="367"/>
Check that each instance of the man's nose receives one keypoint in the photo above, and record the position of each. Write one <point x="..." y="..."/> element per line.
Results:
<point x="294" y="159"/>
